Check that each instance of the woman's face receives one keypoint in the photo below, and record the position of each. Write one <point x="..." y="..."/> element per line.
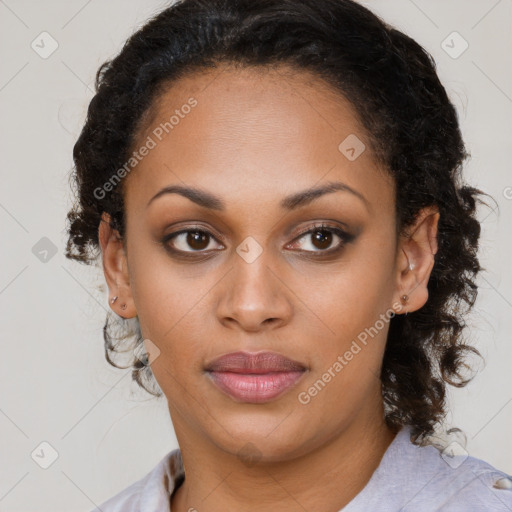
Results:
<point x="252" y="279"/>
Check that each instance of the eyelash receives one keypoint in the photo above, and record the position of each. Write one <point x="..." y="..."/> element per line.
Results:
<point x="343" y="235"/>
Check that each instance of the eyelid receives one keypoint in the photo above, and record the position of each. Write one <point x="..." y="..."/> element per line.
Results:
<point x="343" y="235"/>
<point x="320" y="226"/>
<point x="187" y="229"/>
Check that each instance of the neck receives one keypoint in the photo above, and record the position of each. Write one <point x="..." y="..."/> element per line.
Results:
<point x="324" y="479"/>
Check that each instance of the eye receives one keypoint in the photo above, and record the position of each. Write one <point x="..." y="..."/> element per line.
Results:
<point x="189" y="240"/>
<point x="321" y="239"/>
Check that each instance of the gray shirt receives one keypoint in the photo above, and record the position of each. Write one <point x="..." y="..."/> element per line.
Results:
<point x="409" y="478"/>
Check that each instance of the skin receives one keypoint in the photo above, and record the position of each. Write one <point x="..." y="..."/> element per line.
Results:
<point x="254" y="138"/>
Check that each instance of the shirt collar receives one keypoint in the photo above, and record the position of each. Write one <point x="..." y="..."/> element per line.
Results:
<point x="161" y="483"/>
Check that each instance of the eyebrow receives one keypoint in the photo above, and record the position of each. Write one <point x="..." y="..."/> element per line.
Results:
<point x="291" y="202"/>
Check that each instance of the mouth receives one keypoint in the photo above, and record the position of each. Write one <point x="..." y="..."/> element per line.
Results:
<point x="254" y="378"/>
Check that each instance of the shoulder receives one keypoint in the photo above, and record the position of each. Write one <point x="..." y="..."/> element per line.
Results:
<point x="151" y="492"/>
<point x="413" y="478"/>
<point x="453" y="481"/>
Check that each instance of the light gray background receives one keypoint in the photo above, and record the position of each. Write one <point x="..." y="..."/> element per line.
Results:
<point x="55" y="384"/>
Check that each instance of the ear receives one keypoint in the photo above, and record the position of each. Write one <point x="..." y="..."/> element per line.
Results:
<point x="115" y="268"/>
<point x="415" y="260"/>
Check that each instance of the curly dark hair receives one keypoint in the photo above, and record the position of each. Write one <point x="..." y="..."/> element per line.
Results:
<point x="412" y="127"/>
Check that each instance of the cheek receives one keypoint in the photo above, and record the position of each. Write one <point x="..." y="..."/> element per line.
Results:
<point x="348" y="315"/>
<point x="347" y="359"/>
<point x="169" y="305"/>
<point x="352" y="296"/>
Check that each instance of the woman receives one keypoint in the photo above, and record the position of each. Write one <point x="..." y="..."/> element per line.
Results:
<point x="275" y="190"/>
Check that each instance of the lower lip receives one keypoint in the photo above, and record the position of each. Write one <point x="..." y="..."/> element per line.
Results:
<point x="255" y="387"/>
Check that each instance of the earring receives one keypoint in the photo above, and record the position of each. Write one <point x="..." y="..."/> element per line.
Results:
<point x="411" y="266"/>
<point x="403" y="300"/>
<point x="113" y="299"/>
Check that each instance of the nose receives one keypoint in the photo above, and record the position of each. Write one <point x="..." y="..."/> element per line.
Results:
<point x="253" y="296"/>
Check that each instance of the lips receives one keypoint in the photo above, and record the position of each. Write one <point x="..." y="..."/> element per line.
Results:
<point x="254" y="378"/>
<point x="261" y="362"/>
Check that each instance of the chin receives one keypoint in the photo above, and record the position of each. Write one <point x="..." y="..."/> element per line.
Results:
<point x="265" y="439"/>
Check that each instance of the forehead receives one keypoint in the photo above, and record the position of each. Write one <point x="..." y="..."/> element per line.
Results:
<point x="271" y="130"/>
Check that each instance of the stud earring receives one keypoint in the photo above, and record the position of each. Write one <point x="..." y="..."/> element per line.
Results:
<point x="411" y="266"/>
<point x="403" y="300"/>
<point x="113" y="299"/>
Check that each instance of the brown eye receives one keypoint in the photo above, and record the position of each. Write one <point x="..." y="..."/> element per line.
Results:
<point x="322" y="239"/>
<point x="189" y="241"/>
<point x="197" y="239"/>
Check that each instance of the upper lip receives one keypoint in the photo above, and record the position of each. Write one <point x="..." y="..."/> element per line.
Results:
<point x="261" y="362"/>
